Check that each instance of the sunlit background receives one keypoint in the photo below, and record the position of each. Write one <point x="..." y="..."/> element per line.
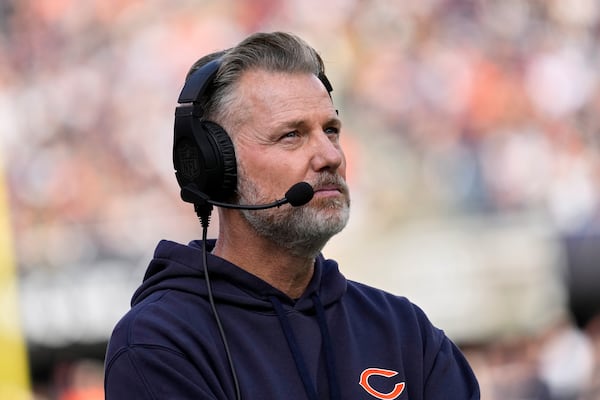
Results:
<point x="472" y="130"/>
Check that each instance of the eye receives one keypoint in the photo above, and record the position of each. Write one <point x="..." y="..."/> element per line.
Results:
<point x="333" y="132"/>
<point x="289" y="135"/>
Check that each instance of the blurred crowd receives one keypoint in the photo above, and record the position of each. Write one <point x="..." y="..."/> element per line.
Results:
<point x="452" y="108"/>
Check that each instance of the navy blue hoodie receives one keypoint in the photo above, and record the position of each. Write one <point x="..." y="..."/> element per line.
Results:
<point x="340" y="340"/>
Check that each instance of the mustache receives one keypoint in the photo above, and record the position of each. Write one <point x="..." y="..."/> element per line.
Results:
<point x="328" y="180"/>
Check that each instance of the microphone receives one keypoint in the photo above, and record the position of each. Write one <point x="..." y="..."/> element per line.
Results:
<point x="297" y="195"/>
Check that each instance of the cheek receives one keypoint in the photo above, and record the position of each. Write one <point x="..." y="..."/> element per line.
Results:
<point x="267" y="175"/>
<point x="259" y="167"/>
<point x="248" y="160"/>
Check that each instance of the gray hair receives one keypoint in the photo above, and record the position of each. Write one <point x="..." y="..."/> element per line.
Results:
<point x="276" y="52"/>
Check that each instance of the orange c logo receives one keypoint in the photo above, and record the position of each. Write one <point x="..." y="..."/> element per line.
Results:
<point x="364" y="382"/>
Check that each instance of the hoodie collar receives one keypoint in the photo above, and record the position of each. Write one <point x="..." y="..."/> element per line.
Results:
<point x="177" y="266"/>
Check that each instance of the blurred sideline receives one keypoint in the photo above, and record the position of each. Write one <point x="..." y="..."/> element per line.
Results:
<point x="472" y="136"/>
<point x="14" y="374"/>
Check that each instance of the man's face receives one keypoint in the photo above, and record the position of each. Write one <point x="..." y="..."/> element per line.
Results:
<point x="289" y="132"/>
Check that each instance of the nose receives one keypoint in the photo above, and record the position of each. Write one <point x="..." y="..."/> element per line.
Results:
<point x="327" y="154"/>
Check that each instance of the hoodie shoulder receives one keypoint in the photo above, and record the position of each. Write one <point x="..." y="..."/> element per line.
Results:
<point x="149" y="353"/>
<point x="443" y="368"/>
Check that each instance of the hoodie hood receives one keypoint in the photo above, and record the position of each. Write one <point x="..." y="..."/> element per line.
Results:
<point x="179" y="267"/>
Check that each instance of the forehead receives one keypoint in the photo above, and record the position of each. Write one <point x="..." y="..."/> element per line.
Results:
<point x="269" y="94"/>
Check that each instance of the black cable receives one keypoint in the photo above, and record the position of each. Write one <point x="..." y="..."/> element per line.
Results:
<point x="204" y="218"/>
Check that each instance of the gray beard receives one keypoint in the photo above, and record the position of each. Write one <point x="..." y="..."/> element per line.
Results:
<point x="303" y="230"/>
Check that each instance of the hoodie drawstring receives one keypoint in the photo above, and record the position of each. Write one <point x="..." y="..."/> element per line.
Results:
<point x="334" y="388"/>
<point x="309" y="387"/>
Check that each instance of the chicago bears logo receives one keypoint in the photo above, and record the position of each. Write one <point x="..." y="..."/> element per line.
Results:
<point x="369" y="372"/>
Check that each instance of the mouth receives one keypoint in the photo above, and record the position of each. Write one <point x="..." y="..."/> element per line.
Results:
<point x="330" y="187"/>
<point x="328" y="191"/>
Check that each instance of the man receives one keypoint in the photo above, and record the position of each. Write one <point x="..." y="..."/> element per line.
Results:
<point x="265" y="315"/>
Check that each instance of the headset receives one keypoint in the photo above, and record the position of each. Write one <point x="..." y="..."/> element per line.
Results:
<point x="203" y="154"/>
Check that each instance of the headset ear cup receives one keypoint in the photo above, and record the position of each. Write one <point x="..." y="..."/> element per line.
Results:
<point x="203" y="153"/>
<point x="223" y="186"/>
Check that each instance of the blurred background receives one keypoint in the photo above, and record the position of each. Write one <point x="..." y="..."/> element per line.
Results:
<point x="472" y="130"/>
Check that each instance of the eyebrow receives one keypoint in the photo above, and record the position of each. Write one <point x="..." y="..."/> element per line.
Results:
<point x="299" y="123"/>
<point x="334" y="121"/>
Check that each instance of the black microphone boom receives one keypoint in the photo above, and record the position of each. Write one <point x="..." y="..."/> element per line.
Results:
<point x="297" y="195"/>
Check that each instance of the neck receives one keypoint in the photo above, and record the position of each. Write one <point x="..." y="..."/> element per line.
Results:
<point x="278" y="266"/>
